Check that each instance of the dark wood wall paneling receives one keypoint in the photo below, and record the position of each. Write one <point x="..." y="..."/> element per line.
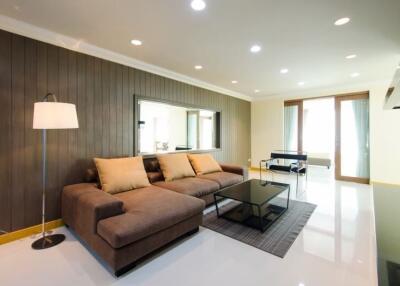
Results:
<point x="103" y="93"/>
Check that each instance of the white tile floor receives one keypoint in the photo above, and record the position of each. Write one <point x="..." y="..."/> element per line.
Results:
<point x="336" y="247"/>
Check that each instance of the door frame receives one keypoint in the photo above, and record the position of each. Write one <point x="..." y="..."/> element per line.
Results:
<point x="338" y="165"/>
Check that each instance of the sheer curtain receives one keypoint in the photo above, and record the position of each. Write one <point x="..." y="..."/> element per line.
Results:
<point x="354" y="138"/>
<point x="291" y="128"/>
<point x="361" y="119"/>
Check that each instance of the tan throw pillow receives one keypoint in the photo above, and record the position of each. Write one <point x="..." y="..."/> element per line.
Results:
<point x="122" y="174"/>
<point x="204" y="164"/>
<point x="175" y="166"/>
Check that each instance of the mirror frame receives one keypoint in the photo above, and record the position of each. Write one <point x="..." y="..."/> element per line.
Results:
<point x="138" y="98"/>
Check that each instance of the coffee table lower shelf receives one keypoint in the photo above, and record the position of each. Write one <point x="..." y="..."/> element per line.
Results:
<point x="254" y="216"/>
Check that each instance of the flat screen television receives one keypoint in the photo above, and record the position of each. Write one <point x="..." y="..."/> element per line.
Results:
<point x="392" y="100"/>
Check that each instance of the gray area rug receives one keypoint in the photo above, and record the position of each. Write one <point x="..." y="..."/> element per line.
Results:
<point x="276" y="240"/>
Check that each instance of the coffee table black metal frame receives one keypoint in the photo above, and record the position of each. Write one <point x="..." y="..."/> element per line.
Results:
<point x="260" y="220"/>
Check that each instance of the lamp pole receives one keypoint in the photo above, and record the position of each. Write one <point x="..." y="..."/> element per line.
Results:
<point x="47" y="241"/>
<point x="44" y="168"/>
<point x="44" y="171"/>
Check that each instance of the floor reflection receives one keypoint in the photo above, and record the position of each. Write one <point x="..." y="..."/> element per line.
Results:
<point x="336" y="247"/>
<point x="340" y="229"/>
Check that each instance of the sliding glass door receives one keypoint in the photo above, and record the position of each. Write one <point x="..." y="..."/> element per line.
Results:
<point x="350" y="127"/>
<point x="352" y="138"/>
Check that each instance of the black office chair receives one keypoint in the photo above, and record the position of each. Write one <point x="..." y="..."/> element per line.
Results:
<point x="297" y="164"/>
<point x="183" y="148"/>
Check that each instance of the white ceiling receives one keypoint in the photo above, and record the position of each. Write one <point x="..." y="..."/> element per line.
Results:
<point x="294" y="34"/>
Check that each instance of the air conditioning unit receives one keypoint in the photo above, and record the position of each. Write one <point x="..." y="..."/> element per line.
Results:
<point x="392" y="100"/>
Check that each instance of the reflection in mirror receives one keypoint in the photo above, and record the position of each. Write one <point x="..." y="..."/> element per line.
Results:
<point x="164" y="128"/>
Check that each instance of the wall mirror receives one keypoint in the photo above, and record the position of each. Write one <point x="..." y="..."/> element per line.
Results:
<point x="164" y="127"/>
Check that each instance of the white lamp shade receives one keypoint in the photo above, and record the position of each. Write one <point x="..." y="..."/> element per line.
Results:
<point x="54" y="115"/>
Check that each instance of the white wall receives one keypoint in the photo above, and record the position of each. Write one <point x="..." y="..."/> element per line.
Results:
<point x="267" y="129"/>
<point x="385" y="139"/>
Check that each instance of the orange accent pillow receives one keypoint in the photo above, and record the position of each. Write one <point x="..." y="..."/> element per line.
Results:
<point x="175" y="166"/>
<point x="121" y="174"/>
<point x="204" y="163"/>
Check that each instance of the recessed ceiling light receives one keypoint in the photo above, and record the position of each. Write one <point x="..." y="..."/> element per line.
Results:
<point x="301" y="83"/>
<point x="255" y="49"/>
<point x="198" y="67"/>
<point x="342" y="21"/>
<point x="284" y="71"/>
<point x="136" y="42"/>
<point x="256" y="91"/>
<point x="198" y="5"/>
<point x="398" y="67"/>
<point x="349" y="57"/>
<point x="234" y="81"/>
<point x="355" y="74"/>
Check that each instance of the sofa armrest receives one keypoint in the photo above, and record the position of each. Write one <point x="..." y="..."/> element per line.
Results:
<point x="236" y="169"/>
<point x="84" y="205"/>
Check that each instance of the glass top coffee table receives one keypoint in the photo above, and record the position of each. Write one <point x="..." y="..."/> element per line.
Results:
<point x="259" y="203"/>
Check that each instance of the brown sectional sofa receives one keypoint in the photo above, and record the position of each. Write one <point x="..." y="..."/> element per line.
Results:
<point x="125" y="227"/>
<point x="202" y="186"/>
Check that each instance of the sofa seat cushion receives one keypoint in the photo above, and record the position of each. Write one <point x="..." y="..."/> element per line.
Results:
<point x="195" y="187"/>
<point x="224" y="179"/>
<point x="147" y="211"/>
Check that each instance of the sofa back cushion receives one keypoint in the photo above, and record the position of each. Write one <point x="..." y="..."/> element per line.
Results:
<point x="121" y="174"/>
<point x="155" y="177"/>
<point x="92" y="176"/>
<point x="151" y="164"/>
<point x="204" y="163"/>
<point x="175" y="166"/>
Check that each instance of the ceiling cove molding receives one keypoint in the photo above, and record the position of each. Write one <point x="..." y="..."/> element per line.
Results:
<point x="327" y="91"/>
<point x="47" y="36"/>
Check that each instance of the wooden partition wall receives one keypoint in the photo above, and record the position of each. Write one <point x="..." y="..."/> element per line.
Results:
<point x="104" y="96"/>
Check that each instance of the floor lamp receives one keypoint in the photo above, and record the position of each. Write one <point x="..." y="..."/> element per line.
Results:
<point x="51" y="115"/>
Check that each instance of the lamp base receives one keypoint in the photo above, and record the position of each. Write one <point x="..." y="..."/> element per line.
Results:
<point x="48" y="241"/>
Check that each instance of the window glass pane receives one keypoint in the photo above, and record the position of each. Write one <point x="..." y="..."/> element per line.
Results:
<point x="319" y="128"/>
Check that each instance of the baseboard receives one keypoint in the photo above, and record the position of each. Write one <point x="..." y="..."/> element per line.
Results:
<point x="15" y="235"/>
<point x="257" y="169"/>
<point x="385" y="183"/>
